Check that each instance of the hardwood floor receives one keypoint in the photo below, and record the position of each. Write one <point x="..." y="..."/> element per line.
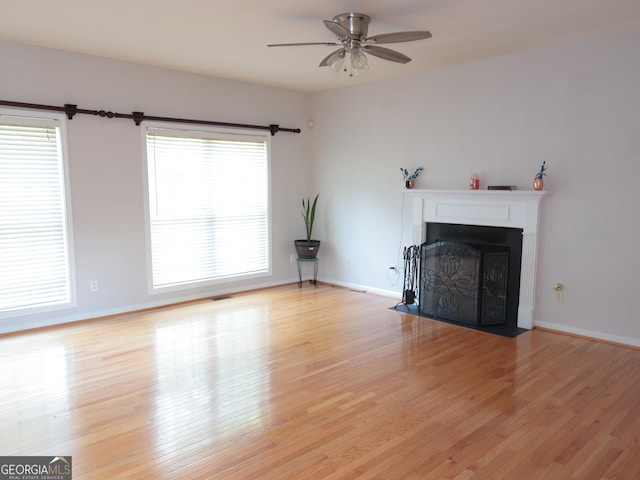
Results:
<point x="317" y="383"/>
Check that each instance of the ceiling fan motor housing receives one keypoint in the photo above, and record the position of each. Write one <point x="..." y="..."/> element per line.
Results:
<point x="356" y="23"/>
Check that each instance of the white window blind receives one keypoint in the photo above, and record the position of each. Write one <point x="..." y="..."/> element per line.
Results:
<point x="208" y="206"/>
<point x="34" y="240"/>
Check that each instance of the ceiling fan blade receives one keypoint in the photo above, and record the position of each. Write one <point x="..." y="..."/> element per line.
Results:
<point x="301" y="44"/>
<point x="398" y="37"/>
<point x="337" y="29"/>
<point x="386" y="54"/>
<point x="329" y="59"/>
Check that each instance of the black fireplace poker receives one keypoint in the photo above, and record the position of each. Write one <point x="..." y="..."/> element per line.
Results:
<point x="411" y="257"/>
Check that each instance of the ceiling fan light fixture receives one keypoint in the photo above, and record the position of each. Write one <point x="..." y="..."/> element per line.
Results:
<point x="338" y="62"/>
<point x="359" y="60"/>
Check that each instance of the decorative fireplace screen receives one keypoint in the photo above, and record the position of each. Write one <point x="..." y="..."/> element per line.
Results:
<point x="464" y="283"/>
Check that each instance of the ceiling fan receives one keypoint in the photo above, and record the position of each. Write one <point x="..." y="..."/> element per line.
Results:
<point x="351" y="30"/>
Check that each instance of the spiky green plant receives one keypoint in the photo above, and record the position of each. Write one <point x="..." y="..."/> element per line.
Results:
<point x="309" y="214"/>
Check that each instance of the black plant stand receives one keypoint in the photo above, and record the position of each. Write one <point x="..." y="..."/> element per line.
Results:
<point x="315" y="262"/>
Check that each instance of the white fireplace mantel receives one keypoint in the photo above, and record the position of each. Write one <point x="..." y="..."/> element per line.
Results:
<point x="496" y="208"/>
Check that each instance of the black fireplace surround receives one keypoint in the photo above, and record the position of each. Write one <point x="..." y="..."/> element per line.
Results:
<point x="470" y="275"/>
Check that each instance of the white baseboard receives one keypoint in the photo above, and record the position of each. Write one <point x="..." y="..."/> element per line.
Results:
<point x="364" y="288"/>
<point x="596" y="335"/>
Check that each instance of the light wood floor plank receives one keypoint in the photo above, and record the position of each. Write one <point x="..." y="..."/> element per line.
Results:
<point x="317" y="383"/>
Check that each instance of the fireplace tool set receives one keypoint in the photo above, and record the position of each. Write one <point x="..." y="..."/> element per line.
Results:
<point x="411" y="257"/>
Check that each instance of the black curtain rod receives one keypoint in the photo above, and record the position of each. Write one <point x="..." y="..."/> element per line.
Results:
<point x="138" y="117"/>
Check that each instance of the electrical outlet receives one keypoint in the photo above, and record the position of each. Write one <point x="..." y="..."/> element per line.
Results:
<point x="93" y="285"/>
<point x="292" y="259"/>
<point x="393" y="275"/>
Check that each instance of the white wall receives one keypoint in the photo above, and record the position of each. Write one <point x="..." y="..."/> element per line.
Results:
<point x="105" y="161"/>
<point x="577" y="107"/>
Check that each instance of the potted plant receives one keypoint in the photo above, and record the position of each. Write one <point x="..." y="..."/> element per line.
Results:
<point x="538" y="181"/>
<point x="308" y="248"/>
<point x="409" y="181"/>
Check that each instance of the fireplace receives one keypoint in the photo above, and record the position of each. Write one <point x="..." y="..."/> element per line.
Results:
<point x="517" y="210"/>
<point x="470" y="274"/>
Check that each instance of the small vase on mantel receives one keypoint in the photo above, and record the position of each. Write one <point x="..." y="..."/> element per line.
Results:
<point x="409" y="181"/>
<point x="538" y="183"/>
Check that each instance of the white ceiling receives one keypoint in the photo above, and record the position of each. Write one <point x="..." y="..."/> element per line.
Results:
<point x="228" y="38"/>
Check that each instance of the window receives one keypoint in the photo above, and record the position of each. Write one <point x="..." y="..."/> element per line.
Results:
<point x="35" y="273"/>
<point x="208" y="206"/>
